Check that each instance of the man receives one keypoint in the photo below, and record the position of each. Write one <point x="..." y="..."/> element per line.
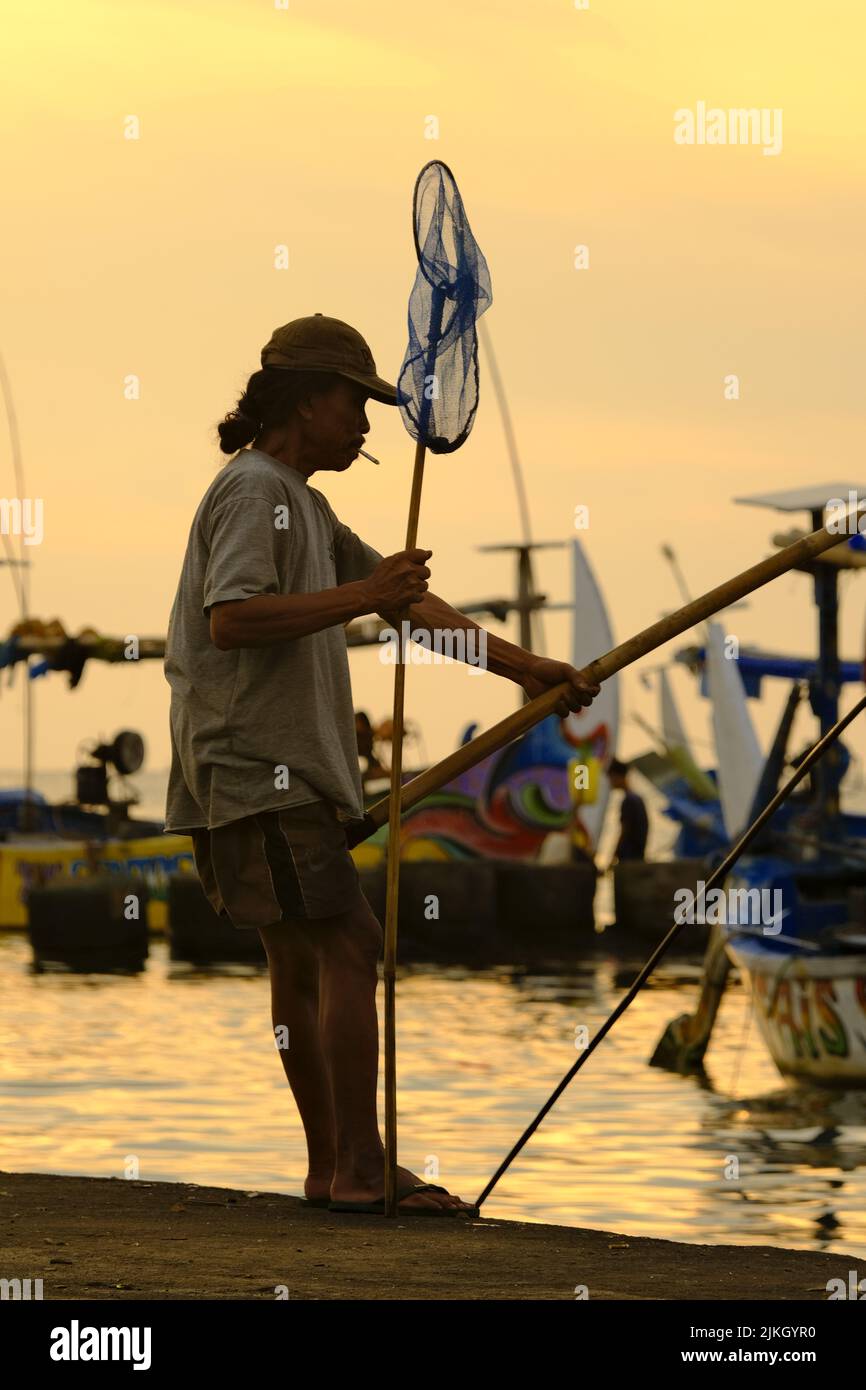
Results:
<point x="264" y="752"/>
<point x="633" y="821"/>
<point x="365" y="735"/>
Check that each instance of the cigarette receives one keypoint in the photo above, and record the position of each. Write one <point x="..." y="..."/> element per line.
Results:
<point x="364" y="454"/>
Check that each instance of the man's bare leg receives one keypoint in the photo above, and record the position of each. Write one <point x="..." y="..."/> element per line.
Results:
<point x="294" y="974"/>
<point x="347" y="949"/>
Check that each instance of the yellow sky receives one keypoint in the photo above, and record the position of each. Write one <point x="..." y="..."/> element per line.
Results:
<point x="306" y="126"/>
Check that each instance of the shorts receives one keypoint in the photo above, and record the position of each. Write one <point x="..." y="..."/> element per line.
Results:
<point x="277" y="865"/>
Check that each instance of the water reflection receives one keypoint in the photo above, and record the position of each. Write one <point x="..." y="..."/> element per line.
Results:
<point x="176" y="1069"/>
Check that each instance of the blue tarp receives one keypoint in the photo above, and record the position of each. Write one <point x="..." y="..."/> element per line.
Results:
<point x="753" y="666"/>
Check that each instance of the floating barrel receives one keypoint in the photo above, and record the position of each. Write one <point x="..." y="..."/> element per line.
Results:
<point x="199" y="935"/>
<point x="448" y="910"/>
<point x="488" y="911"/>
<point x="465" y="911"/>
<point x="545" y="911"/>
<point x="644" y="900"/>
<point x="90" y="924"/>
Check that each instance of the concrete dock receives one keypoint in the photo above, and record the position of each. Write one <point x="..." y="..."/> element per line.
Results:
<point x="109" y="1239"/>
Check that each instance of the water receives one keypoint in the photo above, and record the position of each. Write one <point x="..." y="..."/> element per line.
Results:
<point x="177" y="1070"/>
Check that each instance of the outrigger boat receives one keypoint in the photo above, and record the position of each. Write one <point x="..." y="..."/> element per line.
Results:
<point x="42" y="841"/>
<point x="793" y="915"/>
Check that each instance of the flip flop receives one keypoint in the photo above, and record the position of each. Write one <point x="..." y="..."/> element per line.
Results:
<point x="377" y="1206"/>
<point x="316" y="1201"/>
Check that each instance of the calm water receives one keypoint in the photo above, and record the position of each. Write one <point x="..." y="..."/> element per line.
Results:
<point x="178" y="1069"/>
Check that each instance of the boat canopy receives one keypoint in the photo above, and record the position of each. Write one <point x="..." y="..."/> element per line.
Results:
<point x="754" y="665"/>
<point x="808" y="498"/>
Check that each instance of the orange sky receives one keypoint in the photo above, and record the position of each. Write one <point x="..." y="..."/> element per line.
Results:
<point x="306" y="126"/>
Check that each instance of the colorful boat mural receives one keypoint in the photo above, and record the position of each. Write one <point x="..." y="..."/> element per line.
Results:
<point x="549" y="782"/>
<point x="507" y="806"/>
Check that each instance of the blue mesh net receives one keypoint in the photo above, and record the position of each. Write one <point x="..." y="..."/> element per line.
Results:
<point x="438" y="383"/>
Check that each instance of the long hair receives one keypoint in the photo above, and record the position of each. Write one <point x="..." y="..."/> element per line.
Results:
<point x="267" y="402"/>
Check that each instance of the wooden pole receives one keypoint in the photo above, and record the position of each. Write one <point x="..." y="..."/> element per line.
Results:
<point x="393" y="805"/>
<point x="672" y="625"/>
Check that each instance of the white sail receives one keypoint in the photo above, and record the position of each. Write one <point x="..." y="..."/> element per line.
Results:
<point x="673" y="732"/>
<point x="738" y="754"/>
<point x="591" y="638"/>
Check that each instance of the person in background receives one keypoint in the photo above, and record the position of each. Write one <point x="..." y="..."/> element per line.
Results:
<point x="580" y="844"/>
<point x="366" y="736"/>
<point x="633" y="819"/>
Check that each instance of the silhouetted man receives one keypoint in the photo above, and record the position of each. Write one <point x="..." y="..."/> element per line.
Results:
<point x="633" y="820"/>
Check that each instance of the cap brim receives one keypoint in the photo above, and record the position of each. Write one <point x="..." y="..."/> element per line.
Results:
<point x="377" y="388"/>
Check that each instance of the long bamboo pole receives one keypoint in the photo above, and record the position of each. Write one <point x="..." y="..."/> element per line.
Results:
<point x="672" y="625"/>
<point x="393" y="804"/>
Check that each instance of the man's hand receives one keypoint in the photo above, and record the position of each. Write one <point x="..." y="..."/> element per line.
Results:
<point x="540" y="674"/>
<point x="398" y="582"/>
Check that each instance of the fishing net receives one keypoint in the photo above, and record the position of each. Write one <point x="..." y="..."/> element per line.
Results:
<point x="437" y="388"/>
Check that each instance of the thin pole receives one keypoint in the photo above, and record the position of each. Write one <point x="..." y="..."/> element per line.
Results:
<point x="21" y="583"/>
<point x="715" y="877"/>
<point x="508" y="431"/>
<point x="525" y="575"/>
<point x="393" y="878"/>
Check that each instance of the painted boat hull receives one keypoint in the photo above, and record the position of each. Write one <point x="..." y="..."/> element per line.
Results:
<point x="40" y="859"/>
<point x="811" y="1012"/>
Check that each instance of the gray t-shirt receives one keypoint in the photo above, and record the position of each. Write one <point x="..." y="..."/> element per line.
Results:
<point x="259" y="728"/>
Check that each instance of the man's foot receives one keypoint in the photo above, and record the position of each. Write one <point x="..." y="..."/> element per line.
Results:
<point x="348" y="1191"/>
<point x="317" y="1188"/>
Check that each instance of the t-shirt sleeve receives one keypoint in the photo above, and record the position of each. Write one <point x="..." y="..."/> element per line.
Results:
<point x="354" y="558"/>
<point x="242" y="551"/>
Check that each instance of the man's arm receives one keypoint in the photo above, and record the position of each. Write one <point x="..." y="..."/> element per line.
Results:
<point x="434" y="615"/>
<point x="534" y="674"/>
<point x="265" y="619"/>
<point x="398" y="584"/>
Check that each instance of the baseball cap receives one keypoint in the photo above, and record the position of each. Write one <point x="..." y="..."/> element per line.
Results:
<point x="322" y="344"/>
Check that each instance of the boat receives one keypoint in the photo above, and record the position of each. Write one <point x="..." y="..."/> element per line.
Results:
<point x="793" y="913"/>
<point x="511" y="805"/>
<point x="44" y="842"/>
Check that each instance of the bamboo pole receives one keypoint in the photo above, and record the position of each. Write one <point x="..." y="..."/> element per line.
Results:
<point x="393" y="804"/>
<point x="668" y="627"/>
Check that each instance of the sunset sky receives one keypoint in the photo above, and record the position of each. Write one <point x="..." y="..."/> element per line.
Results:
<point x="306" y="126"/>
